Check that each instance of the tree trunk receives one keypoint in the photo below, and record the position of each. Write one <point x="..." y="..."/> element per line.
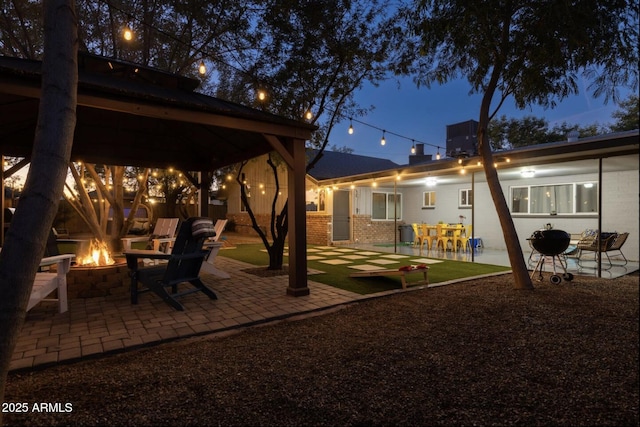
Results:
<point x="30" y="227"/>
<point x="276" y="254"/>
<point x="278" y="226"/>
<point x="514" y="250"/>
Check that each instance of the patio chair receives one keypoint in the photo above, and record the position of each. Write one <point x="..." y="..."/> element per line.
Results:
<point x="45" y="283"/>
<point x="456" y="236"/>
<point x="443" y="239"/>
<point x="218" y="228"/>
<point x="183" y="265"/>
<point x="161" y="239"/>
<point x="426" y="236"/>
<point x="609" y="242"/>
<point x="617" y="246"/>
<point x="463" y="239"/>
<point x="212" y="246"/>
<point x="418" y="237"/>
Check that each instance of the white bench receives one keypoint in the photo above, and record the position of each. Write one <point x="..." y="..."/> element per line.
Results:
<point x="45" y="283"/>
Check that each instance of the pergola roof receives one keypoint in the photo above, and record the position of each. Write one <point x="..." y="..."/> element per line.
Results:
<point x="132" y="115"/>
<point x="135" y="116"/>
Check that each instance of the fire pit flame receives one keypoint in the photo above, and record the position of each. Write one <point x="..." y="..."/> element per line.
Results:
<point x="97" y="255"/>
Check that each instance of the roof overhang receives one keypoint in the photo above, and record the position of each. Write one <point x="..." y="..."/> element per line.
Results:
<point x="579" y="156"/>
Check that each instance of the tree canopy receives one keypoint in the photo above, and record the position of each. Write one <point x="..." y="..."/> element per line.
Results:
<point x="627" y="117"/>
<point x="522" y="51"/>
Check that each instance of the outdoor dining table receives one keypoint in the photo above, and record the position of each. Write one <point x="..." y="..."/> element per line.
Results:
<point x="445" y="228"/>
<point x="449" y="229"/>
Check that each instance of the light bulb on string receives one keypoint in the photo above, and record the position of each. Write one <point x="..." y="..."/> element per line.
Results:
<point x="350" y="127"/>
<point x="262" y="95"/>
<point x="127" y="33"/>
<point x="413" y="147"/>
<point x="383" y="140"/>
<point x="308" y="115"/>
<point x="202" y="69"/>
<point x="438" y="154"/>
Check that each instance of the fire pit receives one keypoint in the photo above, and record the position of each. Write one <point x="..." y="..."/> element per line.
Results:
<point x="551" y="243"/>
<point x="97" y="273"/>
<point x="98" y="281"/>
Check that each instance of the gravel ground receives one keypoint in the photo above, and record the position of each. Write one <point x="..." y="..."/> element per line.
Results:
<point x="474" y="353"/>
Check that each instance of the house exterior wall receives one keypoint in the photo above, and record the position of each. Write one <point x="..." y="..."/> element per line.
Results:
<point x="619" y="190"/>
<point x="368" y="230"/>
<point x="620" y="208"/>
<point x="261" y="188"/>
<point x="619" y="212"/>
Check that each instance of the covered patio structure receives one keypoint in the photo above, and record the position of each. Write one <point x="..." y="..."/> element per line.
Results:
<point x="136" y="116"/>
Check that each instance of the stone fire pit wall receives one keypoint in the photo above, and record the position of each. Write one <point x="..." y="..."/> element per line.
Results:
<point x="91" y="282"/>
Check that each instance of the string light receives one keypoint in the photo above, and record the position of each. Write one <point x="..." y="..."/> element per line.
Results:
<point x="129" y="35"/>
<point x="384" y="132"/>
<point x="202" y="69"/>
<point x="413" y="147"/>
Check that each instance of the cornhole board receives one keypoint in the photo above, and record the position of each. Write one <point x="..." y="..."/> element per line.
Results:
<point x="402" y="273"/>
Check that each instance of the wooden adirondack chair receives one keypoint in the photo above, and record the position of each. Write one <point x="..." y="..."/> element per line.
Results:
<point x="183" y="265"/>
<point x="212" y="245"/>
<point x="161" y="238"/>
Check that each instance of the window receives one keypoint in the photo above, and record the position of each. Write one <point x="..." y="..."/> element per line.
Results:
<point x="385" y="204"/>
<point x="315" y="200"/>
<point x="466" y="198"/>
<point x="429" y="199"/>
<point x="555" y="199"/>
<point x="520" y="200"/>
<point x="586" y="197"/>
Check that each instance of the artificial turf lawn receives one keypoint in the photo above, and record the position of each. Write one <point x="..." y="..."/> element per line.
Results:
<point x="338" y="275"/>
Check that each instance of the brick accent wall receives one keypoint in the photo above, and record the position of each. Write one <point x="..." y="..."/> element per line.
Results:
<point x="318" y="229"/>
<point x="367" y="231"/>
<point x="243" y="223"/>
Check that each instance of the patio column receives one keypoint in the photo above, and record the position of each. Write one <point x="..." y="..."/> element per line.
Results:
<point x="293" y="152"/>
<point x="297" y="219"/>
<point x="203" y="195"/>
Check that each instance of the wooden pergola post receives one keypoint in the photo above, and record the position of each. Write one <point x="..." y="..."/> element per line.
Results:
<point x="203" y="194"/>
<point x="297" y="220"/>
<point x="294" y="154"/>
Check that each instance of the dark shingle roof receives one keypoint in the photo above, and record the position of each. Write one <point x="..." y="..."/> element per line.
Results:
<point x="335" y="164"/>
